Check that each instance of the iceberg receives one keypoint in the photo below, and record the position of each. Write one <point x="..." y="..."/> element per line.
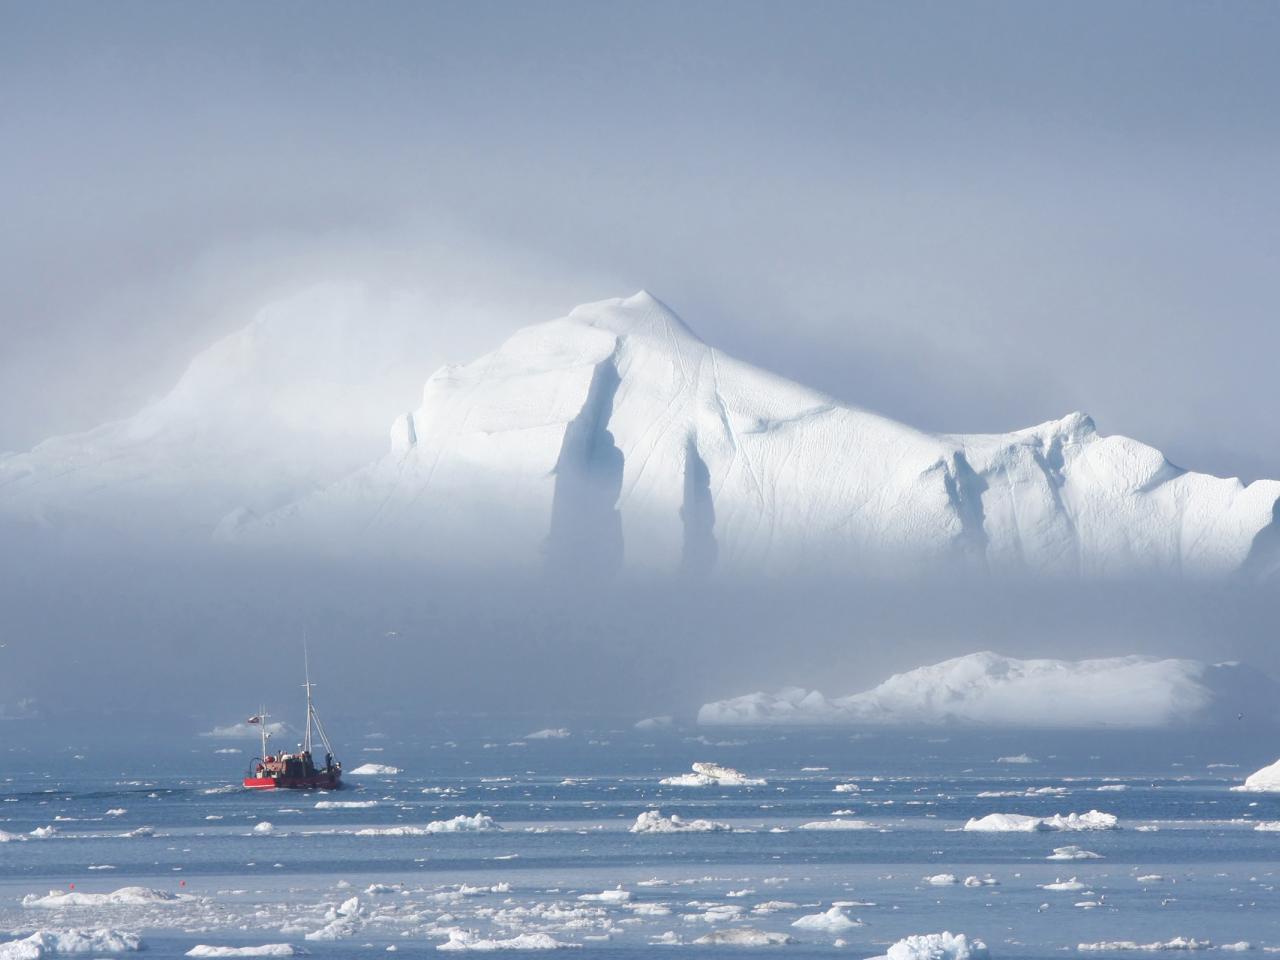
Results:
<point x="1116" y="946"/>
<point x="265" y="950"/>
<point x="711" y="775"/>
<point x="744" y="937"/>
<point x="464" y="940"/>
<point x="46" y="943"/>
<point x="614" y="437"/>
<point x="652" y="821"/>
<point x="989" y="690"/>
<point x="550" y="733"/>
<point x="477" y="823"/>
<point x="1072" y="852"/>
<point x="1005" y="823"/>
<point x="125" y="896"/>
<point x="936" y="946"/>
<point x="373" y="770"/>
<point x="1266" y="780"/>
<point x="1020" y="823"/>
<point x="834" y="920"/>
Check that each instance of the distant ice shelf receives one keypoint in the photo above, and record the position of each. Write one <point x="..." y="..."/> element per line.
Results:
<point x="989" y="690"/>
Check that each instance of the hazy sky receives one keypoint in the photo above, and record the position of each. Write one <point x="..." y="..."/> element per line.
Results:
<point x="968" y="216"/>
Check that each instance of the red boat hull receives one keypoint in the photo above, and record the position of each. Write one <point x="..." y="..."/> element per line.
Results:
<point x="320" y="781"/>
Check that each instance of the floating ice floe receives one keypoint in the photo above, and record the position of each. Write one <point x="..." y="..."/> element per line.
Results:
<point x="1020" y="823"/>
<point x="1065" y="886"/>
<point x="265" y="950"/>
<point x="1073" y="852"/>
<point x="1268" y="826"/>
<point x="465" y="940"/>
<point x="936" y="946"/>
<point x="130" y="896"/>
<point x="116" y="812"/>
<point x="138" y="832"/>
<point x="549" y="733"/>
<point x="840" y="823"/>
<point x="1266" y="780"/>
<point x="847" y="788"/>
<point x="373" y="770"/>
<point x="264" y="827"/>
<point x="710" y="775"/>
<point x="477" y="823"/>
<point x="44" y="833"/>
<point x="1116" y="946"/>
<point x="6" y="837"/>
<point x="743" y="937"/>
<point x="617" y="895"/>
<point x="341" y="922"/>
<point x="664" y="722"/>
<point x="652" y="821"/>
<point x="1029" y="792"/>
<point x="834" y="920"/>
<point x="941" y="880"/>
<point x="987" y="881"/>
<point x="345" y="804"/>
<point x="45" y="943"/>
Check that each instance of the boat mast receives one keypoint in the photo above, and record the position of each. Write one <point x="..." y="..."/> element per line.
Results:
<point x="306" y="666"/>
<point x="262" y="723"/>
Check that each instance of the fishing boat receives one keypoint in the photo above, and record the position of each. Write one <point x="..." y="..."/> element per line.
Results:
<point x="294" y="771"/>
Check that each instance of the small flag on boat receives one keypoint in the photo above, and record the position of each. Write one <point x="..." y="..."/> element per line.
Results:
<point x="254" y="720"/>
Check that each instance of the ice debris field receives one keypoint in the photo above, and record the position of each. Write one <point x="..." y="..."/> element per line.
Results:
<point x="618" y="842"/>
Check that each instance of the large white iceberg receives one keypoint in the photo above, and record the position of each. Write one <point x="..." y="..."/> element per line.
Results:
<point x="987" y="689"/>
<point x="616" y="437"/>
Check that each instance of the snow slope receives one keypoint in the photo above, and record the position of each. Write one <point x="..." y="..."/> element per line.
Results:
<point x="296" y="399"/>
<point x="616" y="438"/>
<point x="986" y="689"/>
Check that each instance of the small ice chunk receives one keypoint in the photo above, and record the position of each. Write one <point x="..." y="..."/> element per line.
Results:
<point x="652" y="821"/>
<point x="936" y="946"/>
<point x="743" y="937"/>
<point x="834" y="920"/>
<point x="712" y="774"/>
<point x="466" y="940"/>
<point x="1073" y="852"/>
<point x="549" y="733"/>
<point x="265" y="950"/>
<point x="373" y="770"/>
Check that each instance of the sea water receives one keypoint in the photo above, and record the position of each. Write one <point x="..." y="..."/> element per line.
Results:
<point x="556" y="863"/>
